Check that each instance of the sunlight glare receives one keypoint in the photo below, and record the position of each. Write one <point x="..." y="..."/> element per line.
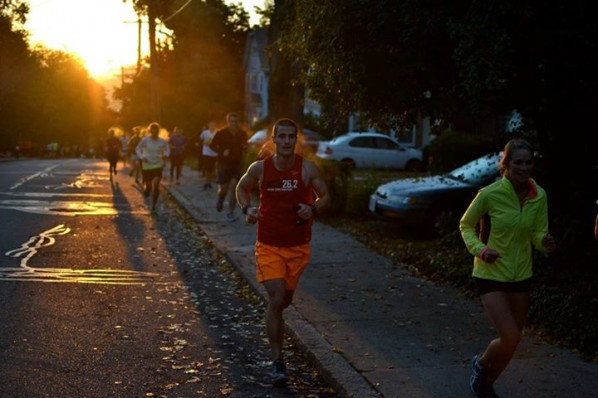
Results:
<point x="102" y="33"/>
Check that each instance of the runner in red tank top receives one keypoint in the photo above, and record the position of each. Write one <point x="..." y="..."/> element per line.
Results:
<point x="280" y="193"/>
<point x="288" y="184"/>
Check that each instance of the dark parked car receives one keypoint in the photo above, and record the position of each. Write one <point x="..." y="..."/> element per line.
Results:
<point x="426" y="200"/>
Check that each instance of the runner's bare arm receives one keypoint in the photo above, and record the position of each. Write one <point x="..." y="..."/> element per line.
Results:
<point x="319" y="186"/>
<point x="247" y="182"/>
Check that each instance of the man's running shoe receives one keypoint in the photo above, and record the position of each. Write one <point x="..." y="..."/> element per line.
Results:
<point x="279" y="373"/>
<point x="477" y="380"/>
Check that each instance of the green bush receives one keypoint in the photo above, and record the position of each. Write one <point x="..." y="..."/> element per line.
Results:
<point x="450" y="262"/>
<point x="350" y="194"/>
<point x="337" y="177"/>
<point x="567" y="317"/>
<point x="358" y="194"/>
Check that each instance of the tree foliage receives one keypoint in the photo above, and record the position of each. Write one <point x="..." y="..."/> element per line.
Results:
<point x="466" y="63"/>
<point x="286" y="93"/>
<point x="45" y="95"/>
<point x="369" y="57"/>
<point x="266" y="12"/>
<point x="14" y="10"/>
<point x="200" y="68"/>
<point x="391" y="59"/>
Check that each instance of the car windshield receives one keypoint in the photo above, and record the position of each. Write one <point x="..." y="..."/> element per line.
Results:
<point x="258" y="136"/>
<point x="338" y="138"/>
<point x="477" y="171"/>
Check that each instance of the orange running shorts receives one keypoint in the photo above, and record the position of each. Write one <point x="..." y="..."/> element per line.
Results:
<point x="281" y="263"/>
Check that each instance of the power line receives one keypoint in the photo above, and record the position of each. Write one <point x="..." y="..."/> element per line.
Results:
<point x="177" y="11"/>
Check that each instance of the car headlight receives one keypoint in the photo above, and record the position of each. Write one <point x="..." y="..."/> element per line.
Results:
<point x="406" y="200"/>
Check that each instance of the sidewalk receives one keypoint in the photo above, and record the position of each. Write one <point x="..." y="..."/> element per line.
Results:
<point x="373" y="330"/>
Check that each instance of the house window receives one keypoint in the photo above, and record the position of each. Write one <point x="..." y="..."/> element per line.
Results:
<point x="406" y="136"/>
<point x="254" y="85"/>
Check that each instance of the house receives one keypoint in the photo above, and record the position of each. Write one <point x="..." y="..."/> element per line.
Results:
<point x="257" y="69"/>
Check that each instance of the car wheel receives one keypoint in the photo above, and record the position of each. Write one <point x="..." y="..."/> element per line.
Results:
<point x="349" y="162"/>
<point x="414" y="165"/>
<point x="442" y="221"/>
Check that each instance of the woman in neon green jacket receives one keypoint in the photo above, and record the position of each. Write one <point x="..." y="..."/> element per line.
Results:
<point x="514" y="217"/>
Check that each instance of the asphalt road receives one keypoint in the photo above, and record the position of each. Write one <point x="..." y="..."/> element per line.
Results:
<point x="99" y="298"/>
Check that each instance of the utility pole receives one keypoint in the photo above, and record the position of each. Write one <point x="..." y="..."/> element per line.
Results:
<point x="154" y="85"/>
<point x="138" y="46"/>
<point x="139" y="23"/>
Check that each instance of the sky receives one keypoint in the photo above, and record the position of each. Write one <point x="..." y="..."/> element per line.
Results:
<point x="102" y="33"/>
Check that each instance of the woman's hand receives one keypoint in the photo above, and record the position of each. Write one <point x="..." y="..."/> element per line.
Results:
<point x="489" y="255"/>
<point x="548" y="243"/>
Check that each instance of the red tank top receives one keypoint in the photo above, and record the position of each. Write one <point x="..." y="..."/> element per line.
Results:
<point x="280" y="192"/>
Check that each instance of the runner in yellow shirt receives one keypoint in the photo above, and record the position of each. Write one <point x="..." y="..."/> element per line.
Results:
<point x="514" y="210"/>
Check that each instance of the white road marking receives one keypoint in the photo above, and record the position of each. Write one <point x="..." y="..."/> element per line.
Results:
<point x="84" y="179"/>
<point x="38" y="174"/>
<point x="70" y="208"/>
<point x="57" y="195"/>
<point x="26" y="273"/>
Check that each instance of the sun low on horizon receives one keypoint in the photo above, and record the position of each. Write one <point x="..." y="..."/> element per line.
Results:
<point x="103" y="34"/>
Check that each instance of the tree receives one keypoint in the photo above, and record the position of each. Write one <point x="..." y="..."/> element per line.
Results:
<point x="201" y="68"/>
<point x="45" y="95"/>
<point x="14" y="10"/>
<point x="464" y="62"/>
<point x="17" y="66"/>
<point x="265" y="13"/>
<point x="69" y="106"/>
<point x="374" y="57"/>
<point x="17" y="60"/>
<point x="286" y="91"/>
<point x="540" y="60"/>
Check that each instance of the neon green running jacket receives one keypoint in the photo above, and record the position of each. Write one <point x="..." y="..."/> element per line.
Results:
<point x="514" y="228"/>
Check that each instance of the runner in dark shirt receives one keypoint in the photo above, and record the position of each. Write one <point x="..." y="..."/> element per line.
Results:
<point x="112" y="152"/>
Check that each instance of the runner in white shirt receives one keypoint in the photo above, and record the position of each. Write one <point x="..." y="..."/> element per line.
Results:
<point x="153" y="152"/>
<point x="209" y="156"/>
